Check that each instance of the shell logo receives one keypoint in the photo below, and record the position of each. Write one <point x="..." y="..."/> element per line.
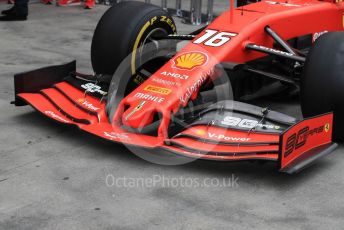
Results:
<point x="190" y="60"/>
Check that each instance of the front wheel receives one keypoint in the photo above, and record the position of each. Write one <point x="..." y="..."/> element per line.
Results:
<point x="124" y="30"/>
<point x="322" y="83"/>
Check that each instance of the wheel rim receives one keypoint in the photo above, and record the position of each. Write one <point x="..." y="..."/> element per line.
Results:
<point x="149" y="39"/>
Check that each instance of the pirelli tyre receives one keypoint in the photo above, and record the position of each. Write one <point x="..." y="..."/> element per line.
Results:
<point x="122" y="31"/>
<point x="322" y="83"/>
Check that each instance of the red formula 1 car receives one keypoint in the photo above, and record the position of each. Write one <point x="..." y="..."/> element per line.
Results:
<point x="176" y="97"/>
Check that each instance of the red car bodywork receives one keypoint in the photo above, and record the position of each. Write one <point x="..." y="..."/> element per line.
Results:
<point x="248" y="25"/>
<point x="233" y="30"/>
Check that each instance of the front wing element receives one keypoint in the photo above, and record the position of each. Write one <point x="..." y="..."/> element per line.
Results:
<point x="293" y="148"/>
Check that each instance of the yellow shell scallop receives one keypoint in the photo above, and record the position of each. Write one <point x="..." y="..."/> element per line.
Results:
<point x="190" y="60"/>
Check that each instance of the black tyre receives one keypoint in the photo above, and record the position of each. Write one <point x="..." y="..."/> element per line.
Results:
<point x="322" y="83"/>
<point x="122" y="30"/>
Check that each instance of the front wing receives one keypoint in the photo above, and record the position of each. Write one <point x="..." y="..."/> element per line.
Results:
<point x="294" y="148"/>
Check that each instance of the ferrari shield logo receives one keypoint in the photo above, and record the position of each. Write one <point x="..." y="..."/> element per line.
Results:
<point x="200" y="132"/>
<point x="327" y="127"/>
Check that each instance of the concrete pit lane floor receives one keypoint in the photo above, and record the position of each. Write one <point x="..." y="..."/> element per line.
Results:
<point x="56" y="177"/>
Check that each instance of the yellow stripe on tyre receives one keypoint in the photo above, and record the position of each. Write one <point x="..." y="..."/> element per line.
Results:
<point x="138" y="39"/>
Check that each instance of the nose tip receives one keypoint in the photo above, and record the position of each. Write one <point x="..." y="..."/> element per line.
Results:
<point x="137" y="117"/>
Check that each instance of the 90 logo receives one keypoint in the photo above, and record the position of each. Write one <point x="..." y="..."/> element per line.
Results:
<point x="299" y="139"/>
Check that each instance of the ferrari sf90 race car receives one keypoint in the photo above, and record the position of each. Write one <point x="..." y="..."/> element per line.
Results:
<point x="188" y="94"/>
